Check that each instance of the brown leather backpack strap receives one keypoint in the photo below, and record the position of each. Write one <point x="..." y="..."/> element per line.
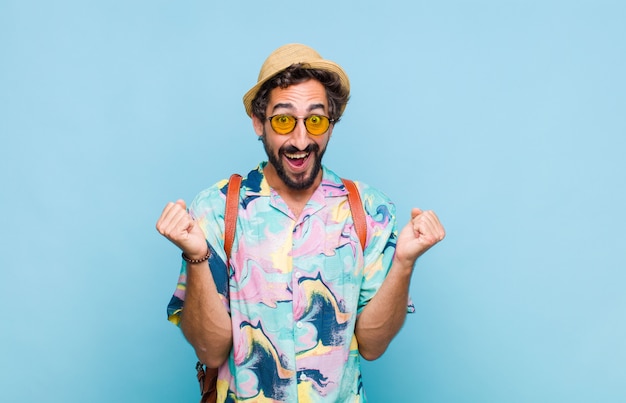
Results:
<point x="230" y="213"/>
<point x="207" y="377"/>
<point x="356" y="208"/>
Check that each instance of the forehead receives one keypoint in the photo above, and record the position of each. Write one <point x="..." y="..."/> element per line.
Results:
<point x="302" y="96"/>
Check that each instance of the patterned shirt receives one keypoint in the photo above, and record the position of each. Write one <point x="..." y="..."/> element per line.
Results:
<point x="295" y="288"/>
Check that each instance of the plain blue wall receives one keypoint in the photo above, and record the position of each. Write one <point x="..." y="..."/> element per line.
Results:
<point x="507" y="118"/>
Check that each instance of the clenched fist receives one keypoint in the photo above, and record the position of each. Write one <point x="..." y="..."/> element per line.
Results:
<point x="177" y="225"/>
<point x="420" y="234"/>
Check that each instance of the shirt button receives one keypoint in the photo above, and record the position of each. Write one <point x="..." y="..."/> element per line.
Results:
<point x="302" y="377"/>
<point x="298" y="274"/>
<point x="299" y="325"/>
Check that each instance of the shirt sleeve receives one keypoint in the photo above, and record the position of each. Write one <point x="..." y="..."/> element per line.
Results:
<point x="382" y="235"/>
<point x="207" y="209"/>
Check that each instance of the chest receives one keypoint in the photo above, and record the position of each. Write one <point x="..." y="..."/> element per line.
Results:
<point x="275" y="253"/>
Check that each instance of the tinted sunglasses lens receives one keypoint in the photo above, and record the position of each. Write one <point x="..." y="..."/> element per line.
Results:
<point x="317" y="124"/>
<point x="283" y="124"/>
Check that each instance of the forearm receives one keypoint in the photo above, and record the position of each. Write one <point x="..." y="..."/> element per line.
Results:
<point x="205" y="322"/>
<point x="384" y="315"/>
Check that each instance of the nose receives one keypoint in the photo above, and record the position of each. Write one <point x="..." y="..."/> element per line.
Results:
<point x="300" y="135"/>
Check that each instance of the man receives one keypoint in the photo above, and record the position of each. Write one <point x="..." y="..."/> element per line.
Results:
<point x="302" y="301"/>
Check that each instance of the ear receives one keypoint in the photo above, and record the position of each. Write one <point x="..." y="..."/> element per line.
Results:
<point x="257" y="124"/>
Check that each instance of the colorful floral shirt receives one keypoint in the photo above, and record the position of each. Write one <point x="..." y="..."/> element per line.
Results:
<point x="295" y="288"/>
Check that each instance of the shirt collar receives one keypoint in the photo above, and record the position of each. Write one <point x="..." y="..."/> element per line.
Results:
<point x="255" y="183"/>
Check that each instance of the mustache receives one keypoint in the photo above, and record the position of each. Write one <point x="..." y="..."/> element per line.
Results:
<point x="311" y="148"/>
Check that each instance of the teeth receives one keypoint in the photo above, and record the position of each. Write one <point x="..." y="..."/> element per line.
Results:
<point x="296" y="156"/>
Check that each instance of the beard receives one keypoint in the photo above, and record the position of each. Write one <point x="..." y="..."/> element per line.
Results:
<point x="300" y="181"/>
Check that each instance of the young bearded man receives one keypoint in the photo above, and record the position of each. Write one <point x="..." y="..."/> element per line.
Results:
<point x="301" y="301"/>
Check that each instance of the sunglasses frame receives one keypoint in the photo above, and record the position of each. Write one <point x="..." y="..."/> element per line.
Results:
<point x="305" y="119"/>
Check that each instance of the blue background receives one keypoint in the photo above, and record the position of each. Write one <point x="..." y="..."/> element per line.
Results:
<point x="506" y="117"/>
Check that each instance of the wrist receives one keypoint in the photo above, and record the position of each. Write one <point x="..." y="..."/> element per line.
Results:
<point x="195" y="259"/>
<point x="405" y="264"/>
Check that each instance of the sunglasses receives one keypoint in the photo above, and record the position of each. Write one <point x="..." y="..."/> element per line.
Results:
<point x="315" y="124"/>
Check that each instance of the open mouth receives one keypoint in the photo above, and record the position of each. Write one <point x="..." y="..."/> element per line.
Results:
<point x="298" y="159"/>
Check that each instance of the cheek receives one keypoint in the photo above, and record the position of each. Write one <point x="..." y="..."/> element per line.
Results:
<point x="323" y="142"/>
<point x="275" y="142"/>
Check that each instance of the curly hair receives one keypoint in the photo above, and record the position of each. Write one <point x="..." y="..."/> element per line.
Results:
<point x="296" y="74"/>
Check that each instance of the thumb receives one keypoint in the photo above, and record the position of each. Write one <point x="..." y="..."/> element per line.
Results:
<point x="415" y="212"/>
<point x="181" y="203"/>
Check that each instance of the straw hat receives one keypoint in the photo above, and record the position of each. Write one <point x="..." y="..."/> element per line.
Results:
<point x="284" y="57"/>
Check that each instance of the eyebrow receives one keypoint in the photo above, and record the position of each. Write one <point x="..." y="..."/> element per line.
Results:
<point x="290" y="106"/>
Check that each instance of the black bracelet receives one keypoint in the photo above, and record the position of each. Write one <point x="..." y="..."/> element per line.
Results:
<point x="202" y="259"/>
